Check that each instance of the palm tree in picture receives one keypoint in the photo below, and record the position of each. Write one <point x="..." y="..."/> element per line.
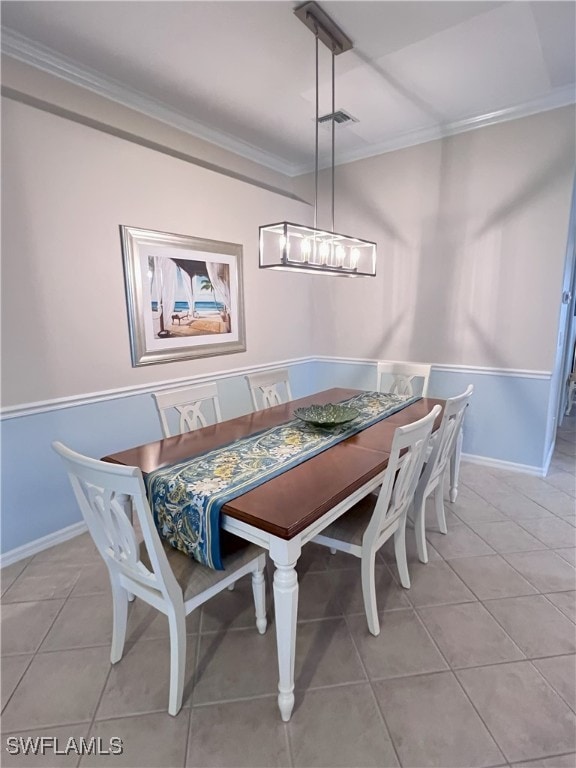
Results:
<point x="206" y="285"/>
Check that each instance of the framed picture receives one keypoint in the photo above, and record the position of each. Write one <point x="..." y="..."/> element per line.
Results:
<point x="184" y="296"/>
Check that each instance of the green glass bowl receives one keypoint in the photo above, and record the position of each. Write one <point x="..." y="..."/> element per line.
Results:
<point x="328" y="415"/>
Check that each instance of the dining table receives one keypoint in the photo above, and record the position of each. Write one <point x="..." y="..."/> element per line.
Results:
<point x="288" y="511"/>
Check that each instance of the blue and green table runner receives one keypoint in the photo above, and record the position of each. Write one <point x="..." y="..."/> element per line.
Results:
<point x="186" y="498"/>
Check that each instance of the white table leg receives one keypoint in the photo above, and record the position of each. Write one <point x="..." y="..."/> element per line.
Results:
<point x="455" y="466"/>
<point x="286" y="605"/>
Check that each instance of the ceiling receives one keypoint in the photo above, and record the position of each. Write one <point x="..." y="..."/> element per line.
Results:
<point x="241" y="73"/>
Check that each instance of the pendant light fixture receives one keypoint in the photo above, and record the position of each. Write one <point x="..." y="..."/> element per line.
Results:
<point x="300" y="248"/>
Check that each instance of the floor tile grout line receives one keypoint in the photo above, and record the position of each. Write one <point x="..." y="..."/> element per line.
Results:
<point x="570" y="706"/>
<point x="512" y="597"/>
<point x="515" y="490"/>
<point x="526" y="578"/>
<point x="196" y="661"/>
<point x="73" y="724"/>
<point x="93" y="720"/>
<point x="514" y="643"/>
<point x="453" y="672"/>
<point x="374" y="697"/>
<point x="519" y="524"/>
<point x="30" y="660"/>
<point x="34" y="654"/>
<point x="481" y="599"/>
<point x="545" y="594"/>
<point x="187" y="737"/>
<point x="535" y="535"/>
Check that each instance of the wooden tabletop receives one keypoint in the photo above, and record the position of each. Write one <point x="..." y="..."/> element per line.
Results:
<point x="287" y="504"/>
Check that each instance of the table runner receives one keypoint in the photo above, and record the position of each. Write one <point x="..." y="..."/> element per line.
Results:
<point x="186" y="498"/>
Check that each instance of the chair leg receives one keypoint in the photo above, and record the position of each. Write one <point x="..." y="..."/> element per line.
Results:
<point x="455" y="466"/>
<point x="177" y="625"/>
<point x="332" y="551"/>
<point x="439" y="504"/>
<point x="120" y="617"/>
<point x="400" y="552"/>
<point x="259" y="592"/>
<point x="369" y="592"/>
<point x="420" y="527"/>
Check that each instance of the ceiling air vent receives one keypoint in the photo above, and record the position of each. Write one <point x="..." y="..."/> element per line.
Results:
<point x="340" y="118"/>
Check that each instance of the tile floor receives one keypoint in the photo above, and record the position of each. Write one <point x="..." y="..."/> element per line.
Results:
<point x="474" y="666"/>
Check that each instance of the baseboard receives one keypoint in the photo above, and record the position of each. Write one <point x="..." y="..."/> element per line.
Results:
<point x="33" y="547"/>
<point x="485" y="461"/>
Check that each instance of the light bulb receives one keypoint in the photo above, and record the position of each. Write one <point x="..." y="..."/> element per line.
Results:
<point x="306" y="248"/>
<point x="354" y="258"/>
<point x="324" y="251"/>
<point x="340" y="255"/>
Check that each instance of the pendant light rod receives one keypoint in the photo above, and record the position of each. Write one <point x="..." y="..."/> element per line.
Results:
<point x="333" y="131"/>
<point x="316" y="145"/>
<point x="331" y="35"/>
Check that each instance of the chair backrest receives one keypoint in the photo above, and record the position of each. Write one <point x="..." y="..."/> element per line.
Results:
<point x="188" y="404"/>
<point x="398" y="377"/>
<point x="106" y="494"/>
<point x="452" y="418"/>
<point x="407" y="455"/>
<point x="266" y="388"/>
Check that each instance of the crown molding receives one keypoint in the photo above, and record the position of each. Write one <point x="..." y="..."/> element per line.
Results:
<point x="23" y="49"/>
<point x="559" y="97"/>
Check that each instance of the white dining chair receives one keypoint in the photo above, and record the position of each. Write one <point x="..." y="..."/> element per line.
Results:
<point x="436" y="467"/>
<point x="369" y="524"/>
<point x="398" y="378"/>
<point x="190" y="406"/>
<point x="269" y="388"/>
<point x="150" y="569"/>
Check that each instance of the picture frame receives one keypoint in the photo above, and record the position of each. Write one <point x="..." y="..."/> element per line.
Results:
<point x="184" y="296"/>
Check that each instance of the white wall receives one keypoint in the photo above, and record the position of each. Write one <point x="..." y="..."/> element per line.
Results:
<point x="471" y="234"/>
<point x="67" y="188"/>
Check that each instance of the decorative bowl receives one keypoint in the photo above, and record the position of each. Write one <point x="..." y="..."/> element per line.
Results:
<point x="328" y="415"/>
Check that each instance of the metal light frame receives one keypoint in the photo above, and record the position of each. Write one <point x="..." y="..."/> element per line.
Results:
<point x="300" y="248"/>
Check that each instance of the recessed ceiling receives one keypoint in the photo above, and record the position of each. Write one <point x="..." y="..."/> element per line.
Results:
<point x="242" y="73"/>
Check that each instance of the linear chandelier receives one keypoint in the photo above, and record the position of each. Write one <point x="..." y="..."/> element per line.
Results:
<point x="300" y="248"/>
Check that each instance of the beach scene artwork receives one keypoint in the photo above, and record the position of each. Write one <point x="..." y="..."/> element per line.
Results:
<point x="184" y="296"/>
<point x="189" y="298"/>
